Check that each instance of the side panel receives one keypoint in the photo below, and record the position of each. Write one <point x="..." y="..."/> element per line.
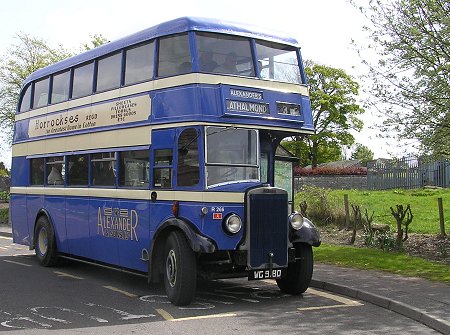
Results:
<point x="20" y="168"/>
<point x="19" y="219"/>
<point x="103" y="235"/>
<point x="56" y="207"/>
<point x="135" y="215"/>
<point x="77" y="226"/>
<point x="34" y="204"/>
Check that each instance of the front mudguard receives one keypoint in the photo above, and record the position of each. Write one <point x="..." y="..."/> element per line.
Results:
<point x="197" y="242"/>
<point x="308" y="234"/>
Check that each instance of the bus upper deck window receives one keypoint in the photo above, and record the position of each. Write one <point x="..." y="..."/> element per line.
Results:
<point x="108" y="72"/>
<point x="82" y="80"/>
<point x="25" y="103"/>
<point x="40" y="93"/>
<point x="139" y="63"/>
<point x="60" y="87"/>
<point x="219" y="53"/>
<point x="278" y="62"/>
<point x="174" y="56"/>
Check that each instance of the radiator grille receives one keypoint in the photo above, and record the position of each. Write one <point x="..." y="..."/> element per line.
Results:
<point x="268" y="229"/>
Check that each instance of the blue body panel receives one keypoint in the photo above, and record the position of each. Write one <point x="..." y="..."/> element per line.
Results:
<point x="204" y="103"/>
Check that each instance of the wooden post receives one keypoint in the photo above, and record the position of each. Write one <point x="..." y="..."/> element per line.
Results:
<point x="441" y="216"/>
<point x="347" y="212"/>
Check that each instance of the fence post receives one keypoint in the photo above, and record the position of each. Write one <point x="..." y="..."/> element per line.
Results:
<point x="441" y="216"/>
<point x="347" y="212"/>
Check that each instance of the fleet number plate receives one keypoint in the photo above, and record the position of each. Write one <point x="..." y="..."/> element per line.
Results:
<point x="265" y="274"/>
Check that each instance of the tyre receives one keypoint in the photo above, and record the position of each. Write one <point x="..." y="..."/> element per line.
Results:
<point x="180" y="274"/>
<point x="45" y="243"/>
<point x="299" y="273"/>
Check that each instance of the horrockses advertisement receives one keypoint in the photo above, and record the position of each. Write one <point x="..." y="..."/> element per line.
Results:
<point x="120" y="111"/>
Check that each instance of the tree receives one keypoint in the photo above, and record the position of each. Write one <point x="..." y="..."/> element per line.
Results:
<point x="96" y="41"/>
<point x="410" y="80"/>
<point x="334" y="108"/>
<point x="363" y="153"/>
<point x="23" y="58"/>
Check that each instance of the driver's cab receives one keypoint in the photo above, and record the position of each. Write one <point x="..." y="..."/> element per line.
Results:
<point x="221" y="158"/>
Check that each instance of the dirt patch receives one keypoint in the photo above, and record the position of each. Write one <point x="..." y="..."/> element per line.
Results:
<point x="430" y="247"/>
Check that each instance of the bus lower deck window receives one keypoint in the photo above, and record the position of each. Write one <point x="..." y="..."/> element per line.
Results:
<point x="134" y="168"/>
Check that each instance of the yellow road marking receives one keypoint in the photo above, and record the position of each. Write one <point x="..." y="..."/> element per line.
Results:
<point x="323" y="307"/>
<point x="18" y="263"/>
<point x="166" y="315"/>
<point x="115" y="289"/>
<point x="211" y="316"/>
<point x="63" y="274"/>
<point x="345" y="301"/>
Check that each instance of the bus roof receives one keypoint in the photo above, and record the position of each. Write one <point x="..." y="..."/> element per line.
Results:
<point x="175" y="26"/>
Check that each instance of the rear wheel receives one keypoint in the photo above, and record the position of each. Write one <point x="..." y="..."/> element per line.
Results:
<point x="45" y="243"/>
<point x="180" y="275"/>
<point x="299" y="273"/>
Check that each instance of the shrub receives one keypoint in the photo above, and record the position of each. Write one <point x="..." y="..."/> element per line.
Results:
<point x="321" y="208"/>
<point x="4" y="215"/>
<point x="4" y="196"/>
<point x="330" y="171"/>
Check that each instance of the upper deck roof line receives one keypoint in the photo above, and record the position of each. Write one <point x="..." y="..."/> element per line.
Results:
<point x="175" y="26"/>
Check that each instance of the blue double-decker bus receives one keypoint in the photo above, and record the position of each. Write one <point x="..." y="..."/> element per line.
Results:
<point x="159" y="154"/>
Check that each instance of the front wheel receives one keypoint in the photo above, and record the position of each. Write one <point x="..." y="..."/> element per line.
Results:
<point x="180" y="277"/>
<point x="45" y="243"/>
<point x="299" y="273"/>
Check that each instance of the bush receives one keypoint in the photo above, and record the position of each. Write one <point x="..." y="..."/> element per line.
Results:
<point x="4" y="215"/>
<point x="381" y="240"/>
<point x="4" y="196"/>
<point x="321" y="207"/>
<point x="330" y="171"/>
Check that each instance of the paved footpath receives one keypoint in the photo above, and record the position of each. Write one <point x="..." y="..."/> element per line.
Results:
<point x="419" y="299"/>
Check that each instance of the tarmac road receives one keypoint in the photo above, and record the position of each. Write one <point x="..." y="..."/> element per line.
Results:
<point x="78" y="298"/>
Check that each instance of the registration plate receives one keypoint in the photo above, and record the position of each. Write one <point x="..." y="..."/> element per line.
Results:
<point x="265" y="274"/>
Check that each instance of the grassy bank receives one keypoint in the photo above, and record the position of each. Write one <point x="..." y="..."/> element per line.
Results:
<point x="374" y="259"/>
<point x="424" y="205"/>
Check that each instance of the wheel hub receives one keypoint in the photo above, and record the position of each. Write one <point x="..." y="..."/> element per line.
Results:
<point x="43" y="242"/>
<point x="171" y="268"/>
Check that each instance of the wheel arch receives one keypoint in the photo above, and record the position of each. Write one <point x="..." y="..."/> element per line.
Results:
<point x="197" y="242"/>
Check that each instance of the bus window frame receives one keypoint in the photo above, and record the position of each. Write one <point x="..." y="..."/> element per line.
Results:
<point x="120" y="53"/>
<point x="23" y="92"/>
<point x="69" y="71"/>
<point x="72" y="81"/>
<point x="151" y="42"/>
<point x="178" y="72"/>
<point x="48" y="91"/>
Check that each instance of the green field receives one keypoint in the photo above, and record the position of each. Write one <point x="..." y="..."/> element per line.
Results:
<point x="424" y="205"/>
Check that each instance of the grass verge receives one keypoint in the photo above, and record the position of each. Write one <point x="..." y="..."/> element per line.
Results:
<point x="424" y="205"/>
<point x="374" y="259"/>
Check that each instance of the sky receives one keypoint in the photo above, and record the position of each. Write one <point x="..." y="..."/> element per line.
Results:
<point x="323" y="28"/>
